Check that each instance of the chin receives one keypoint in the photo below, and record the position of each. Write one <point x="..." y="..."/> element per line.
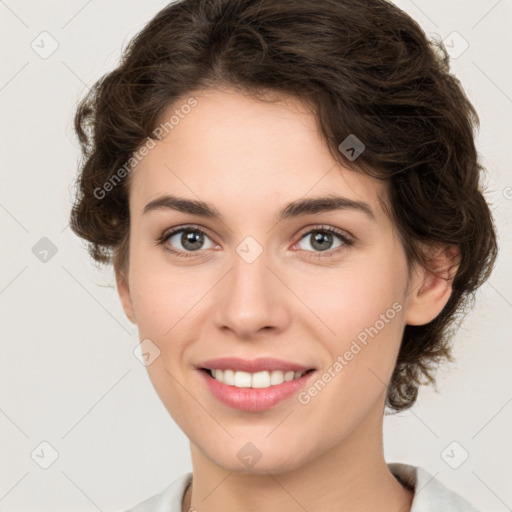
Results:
<point x="250" y="458"/>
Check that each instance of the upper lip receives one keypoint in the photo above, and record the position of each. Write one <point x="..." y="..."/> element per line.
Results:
<point x="252" y="366"/>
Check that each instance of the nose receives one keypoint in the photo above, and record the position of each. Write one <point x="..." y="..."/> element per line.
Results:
<point x="252" y="300"/>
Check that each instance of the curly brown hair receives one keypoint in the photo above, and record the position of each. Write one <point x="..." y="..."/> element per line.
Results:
<point x="366" y="68"/>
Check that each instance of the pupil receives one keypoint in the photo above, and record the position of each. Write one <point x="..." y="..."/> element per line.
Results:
<point x="193" y="238"/>
<point x="323" y="240"/>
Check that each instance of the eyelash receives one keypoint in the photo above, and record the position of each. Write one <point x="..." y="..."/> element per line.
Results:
<point x="346" y="241"/>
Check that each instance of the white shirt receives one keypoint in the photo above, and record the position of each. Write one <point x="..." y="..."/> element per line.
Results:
<point x="430" y="495"/>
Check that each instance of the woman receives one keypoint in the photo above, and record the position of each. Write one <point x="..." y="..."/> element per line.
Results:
<point x="289" y="193"/>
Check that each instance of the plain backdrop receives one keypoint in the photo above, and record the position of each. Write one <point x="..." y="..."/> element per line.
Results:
<point x="75" y="398"/>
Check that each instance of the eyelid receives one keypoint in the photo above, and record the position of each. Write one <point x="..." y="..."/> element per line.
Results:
<point x="345" y="235"/>
<point x="192" y="227"/>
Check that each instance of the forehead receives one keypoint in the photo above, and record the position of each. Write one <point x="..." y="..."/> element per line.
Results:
<point x="232" y="147"/>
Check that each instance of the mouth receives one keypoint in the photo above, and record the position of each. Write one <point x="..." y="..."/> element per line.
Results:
<point x="257" y="390"/>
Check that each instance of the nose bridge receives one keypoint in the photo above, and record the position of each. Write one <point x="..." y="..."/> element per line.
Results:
<point x="250" y="298"/>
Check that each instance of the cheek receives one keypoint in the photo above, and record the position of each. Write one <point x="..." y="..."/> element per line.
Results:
<point x="162" y="301"/>
<point x="352" y="298"/>
<point x="163" y="295"/>
<point x="363" y="307"/>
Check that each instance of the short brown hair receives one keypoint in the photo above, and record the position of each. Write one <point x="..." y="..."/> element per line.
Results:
<point x="366" y="68"/>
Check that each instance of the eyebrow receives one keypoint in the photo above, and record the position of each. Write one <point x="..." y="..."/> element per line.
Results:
<point x="294" y="209"/>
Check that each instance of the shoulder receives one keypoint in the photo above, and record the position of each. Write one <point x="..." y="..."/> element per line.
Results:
<point x="168" y="500"/>
<point x="430" y="495"/>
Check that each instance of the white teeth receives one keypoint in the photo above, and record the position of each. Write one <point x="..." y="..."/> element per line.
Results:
<point x="229" y="377"/>
<point x="242" y="380"/>
<point x="262" y="379"/>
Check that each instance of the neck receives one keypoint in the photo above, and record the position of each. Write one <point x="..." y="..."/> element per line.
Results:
<point x="352" y="476"/>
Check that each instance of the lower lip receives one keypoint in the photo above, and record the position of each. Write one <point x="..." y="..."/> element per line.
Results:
<point x="254" y="399"/>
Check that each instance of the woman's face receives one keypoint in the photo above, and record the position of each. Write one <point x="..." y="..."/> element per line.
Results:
<point x="262" y="278"/>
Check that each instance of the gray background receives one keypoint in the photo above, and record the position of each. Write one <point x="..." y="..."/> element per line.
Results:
<point x="68" y="374"/>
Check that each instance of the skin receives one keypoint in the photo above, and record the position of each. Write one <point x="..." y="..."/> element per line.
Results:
<point x="249" y="159"/>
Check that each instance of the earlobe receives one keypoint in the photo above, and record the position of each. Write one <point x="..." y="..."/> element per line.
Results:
<point x="431" y="286"/>
<point x="123" y="290"/>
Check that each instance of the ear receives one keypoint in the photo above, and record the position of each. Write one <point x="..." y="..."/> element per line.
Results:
<point x="123" y="290"/>
<point x="430" y="287"/>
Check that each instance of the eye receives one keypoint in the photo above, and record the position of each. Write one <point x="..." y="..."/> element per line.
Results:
<point x="186" y="240"/>
<point x="324" y="239"/>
